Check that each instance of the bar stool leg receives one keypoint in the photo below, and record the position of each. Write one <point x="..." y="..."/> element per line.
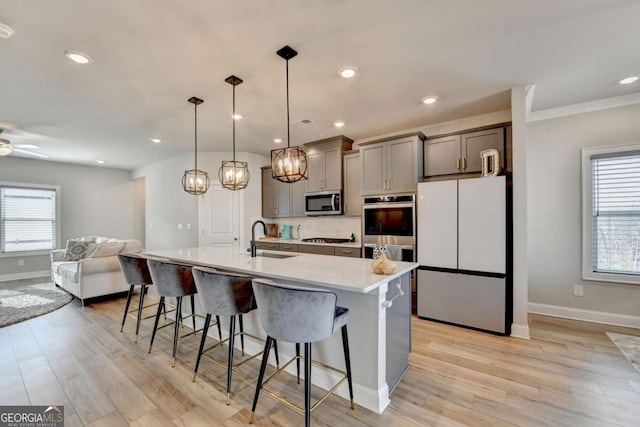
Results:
<point x="347" y="361"/>
<point x="126" y="307"/>
<point x="307" y="384"/>
<point x="176" y="332"/>
<point x="298" y="360"/>
<point x="193" y="314"/>
<point x="140" y="307"/>
<point x="155" y="324"/>
<point x="241" y="333"/>
<point x="263" y="367"/>
<point x="275" y="348"/>
<point x="219" y="328"/>
<point x="232" y="332"/>
<point x="204" y="338"/>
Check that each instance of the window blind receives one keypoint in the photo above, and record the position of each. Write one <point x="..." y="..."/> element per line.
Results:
<point x="27" y="219"/>
<point x="616" y="213"/>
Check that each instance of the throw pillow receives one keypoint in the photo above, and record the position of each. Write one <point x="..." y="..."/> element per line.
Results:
<point x="107" y="249"/>
<point x="75" y="250"/>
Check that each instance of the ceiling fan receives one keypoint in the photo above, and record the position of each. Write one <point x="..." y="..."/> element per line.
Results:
<point x="7" y="148"/>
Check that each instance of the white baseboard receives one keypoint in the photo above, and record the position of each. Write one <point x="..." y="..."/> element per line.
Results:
<point x="26" y="275"/>
<point x="520" y="331"/>
<point x="585" y="315"/>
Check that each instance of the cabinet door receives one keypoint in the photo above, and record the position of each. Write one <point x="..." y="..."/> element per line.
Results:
<point x="373" y="161"/>
<point x="348" y="252"/>
<point x="296" y="194"/>
<point x="402" y="171"/>
<point x="352" y="185"/>
<point x="283" y="208"/>
<point x="315" y="173"/>
<point x="332" y="169"/>
<point x="438" y="224"/>
<point x="268" y="194"/>
<point x="442" y="156"/>
<point x="474" y="142"/>
<point x="268" y="246"/>
<point x="482" y="224"/>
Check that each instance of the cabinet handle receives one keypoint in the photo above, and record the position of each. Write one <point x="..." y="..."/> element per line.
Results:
<point x="464" y="163"/>
<point x="384" y="185"/>
<point x="344" y="251"/>
<point x="287" y="247"/>
<point x="458" y="163"/>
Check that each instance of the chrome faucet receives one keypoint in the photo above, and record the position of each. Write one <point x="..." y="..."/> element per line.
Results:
<point x="253" y="235"/>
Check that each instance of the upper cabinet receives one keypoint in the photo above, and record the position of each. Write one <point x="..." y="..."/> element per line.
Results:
<point x="324" y="163"/>
<point x="460" y="153"/>
<point x="352" y="184"/>
<point x="280" y="199"/>
<point x="391" y="165"/>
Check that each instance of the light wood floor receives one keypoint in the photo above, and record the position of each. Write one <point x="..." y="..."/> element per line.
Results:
<point x="569" y="373"/>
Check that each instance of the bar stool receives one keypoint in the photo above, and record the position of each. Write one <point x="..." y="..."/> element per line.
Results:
<point x="225" y="294"/>
<point x="300" y="315"/>
<point x="136" y="273"/>
<point x="173" y="280"/>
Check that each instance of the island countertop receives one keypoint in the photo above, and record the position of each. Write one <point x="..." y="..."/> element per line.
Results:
<point x="332" y="272"/>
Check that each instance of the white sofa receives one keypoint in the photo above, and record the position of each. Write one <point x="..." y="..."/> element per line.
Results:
<point x="89" y="267"/>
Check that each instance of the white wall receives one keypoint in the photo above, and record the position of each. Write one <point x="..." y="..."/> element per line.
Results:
<point x="94" y="201"/>
<point x="167" y="204"/>
<point x="554" y="209"/>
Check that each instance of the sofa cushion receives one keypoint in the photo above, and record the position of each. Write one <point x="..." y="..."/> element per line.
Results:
<point x="107" y="249"/>
<point x="99" y="265"/>
<point x="76" y="250"/>
<point x="56" y="266"/>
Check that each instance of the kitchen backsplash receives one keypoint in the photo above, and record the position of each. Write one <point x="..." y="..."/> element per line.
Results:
<point x="338" y="227"/>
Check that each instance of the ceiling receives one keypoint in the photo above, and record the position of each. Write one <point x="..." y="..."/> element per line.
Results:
<point x="150" y="56"/>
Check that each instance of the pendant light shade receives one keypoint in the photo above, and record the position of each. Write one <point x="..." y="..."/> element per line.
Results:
<point x="195" y="181"/>
<point x="234" y="175"/>
<point x="288" y="164"/>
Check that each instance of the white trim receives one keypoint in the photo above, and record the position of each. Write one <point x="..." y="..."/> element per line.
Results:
<point x="585" y="315"/>
<point x="27" y="275"/>
<point x="587" y="216"/>
<point x="584" y="107"/>
<point x="520" y="331"/>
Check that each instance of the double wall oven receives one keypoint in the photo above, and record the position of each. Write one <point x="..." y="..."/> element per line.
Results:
<point x="390" y="220"/>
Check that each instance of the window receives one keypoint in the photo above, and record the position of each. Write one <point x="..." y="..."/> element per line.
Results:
<point x="611" y="214"/>
<point x="27" y="219"/>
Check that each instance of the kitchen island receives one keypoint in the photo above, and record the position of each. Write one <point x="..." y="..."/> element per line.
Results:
<point x="379" y="312"/>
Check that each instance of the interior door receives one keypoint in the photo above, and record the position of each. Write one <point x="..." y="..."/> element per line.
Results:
<point x="218" y="217"/>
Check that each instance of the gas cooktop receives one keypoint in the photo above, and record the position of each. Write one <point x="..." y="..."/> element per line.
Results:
<point x="325" y="240"/>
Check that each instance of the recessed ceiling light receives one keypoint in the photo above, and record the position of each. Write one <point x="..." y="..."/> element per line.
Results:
<point x="429" y="99"/>
<point x="100" y="161"/>
<point x="628" y="80"/>
<point x="156" y="140"/>
<point x="277" y="140"/>
<point x="347" y="72"/>
<point x="236" y="116"/>
<point x="5" y="31"/>
<point x="77" y="57"/>
<point x="338" y="123"/>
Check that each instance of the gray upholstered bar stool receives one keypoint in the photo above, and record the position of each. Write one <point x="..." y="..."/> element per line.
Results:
<point x="225" y="294"/>
<point x="136" y="273"/>
<point x="173" y="280"/>
<point x="300" y="315"/>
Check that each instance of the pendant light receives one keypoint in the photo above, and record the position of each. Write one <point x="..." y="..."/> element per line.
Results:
<point x="234" y="175"/>
<point x="288" y="164"/>
<point x="195" y="181"/>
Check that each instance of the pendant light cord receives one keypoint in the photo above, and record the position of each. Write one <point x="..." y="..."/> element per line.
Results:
<point x="233" y="118"/>
<point x="288" y="127"/>
<point x="195" y="126"/>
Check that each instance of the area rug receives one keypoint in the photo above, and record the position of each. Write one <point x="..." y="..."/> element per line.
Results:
<point x="22" y="302"/>
<point x="629" y="345"/>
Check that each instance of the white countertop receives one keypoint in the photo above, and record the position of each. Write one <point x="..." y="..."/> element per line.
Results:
<point x="300" y="242"/>
<point x="331" y="272"/>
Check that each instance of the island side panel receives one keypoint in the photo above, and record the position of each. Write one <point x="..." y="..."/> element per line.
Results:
<point x="398" y="330"/>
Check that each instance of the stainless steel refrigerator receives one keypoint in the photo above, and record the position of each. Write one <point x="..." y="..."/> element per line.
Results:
<point x="464" y="252"/>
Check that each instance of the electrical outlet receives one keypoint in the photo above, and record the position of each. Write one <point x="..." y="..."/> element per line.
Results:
<point x="20" y="262"/>
<point x="578" y="291"/>
<point x="188" y="226"/>
<point x="179" y="226"/>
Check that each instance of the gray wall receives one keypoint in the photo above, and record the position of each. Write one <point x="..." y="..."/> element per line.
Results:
<point x="554" y="208"/>
<point x="94" y="201"/>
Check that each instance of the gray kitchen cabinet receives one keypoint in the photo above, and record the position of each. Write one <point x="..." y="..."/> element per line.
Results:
<point x="352" y="184"/>
<point x="391" y="165"/>
<point x="265" y="245"/>
<point x="348" y="252"/>
<point x="316" y="249"/>
<point x="324" y="163"/>
<point x="281" y="200"/>
<point x="460" y="153"/>
<point x="288" y="247"/>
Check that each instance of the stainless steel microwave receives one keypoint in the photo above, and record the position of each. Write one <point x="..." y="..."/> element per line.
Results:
<point x="323" y="203"/>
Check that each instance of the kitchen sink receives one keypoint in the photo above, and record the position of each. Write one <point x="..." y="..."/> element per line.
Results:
<point x="279" y="256"/>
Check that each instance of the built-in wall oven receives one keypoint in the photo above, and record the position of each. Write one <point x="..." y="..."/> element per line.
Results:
<point x="391" y="221"/>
